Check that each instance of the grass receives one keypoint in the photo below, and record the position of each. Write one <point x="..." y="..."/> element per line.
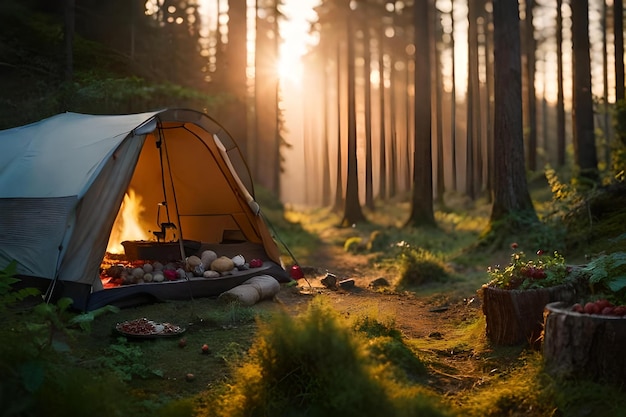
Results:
<point x="264" y="360"/>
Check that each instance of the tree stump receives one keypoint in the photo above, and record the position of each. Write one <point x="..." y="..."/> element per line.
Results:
<point x="516" y="316"/>
<point x="584" y="345"/>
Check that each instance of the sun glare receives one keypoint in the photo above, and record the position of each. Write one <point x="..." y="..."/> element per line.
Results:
<point x="289" y="67"/>
<point x="294" y="30"/>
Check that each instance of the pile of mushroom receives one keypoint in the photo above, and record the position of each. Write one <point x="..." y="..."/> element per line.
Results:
<point x="210" y="265"/>
<point x="207" y="265"/>
<point x="148" y="272"/>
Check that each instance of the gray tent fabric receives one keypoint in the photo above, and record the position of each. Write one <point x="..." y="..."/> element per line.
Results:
<point x="46" y="169"/>
<point x="63" y="180"/>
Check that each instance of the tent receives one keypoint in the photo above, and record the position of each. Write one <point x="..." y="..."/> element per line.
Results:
<point x="63" y="180"/>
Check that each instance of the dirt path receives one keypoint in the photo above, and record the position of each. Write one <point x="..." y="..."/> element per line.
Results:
<point x="432" y="321"/>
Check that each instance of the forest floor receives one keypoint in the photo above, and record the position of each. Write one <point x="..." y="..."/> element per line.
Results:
<point x="444" y="322"/>
<point x="437" y="320"/>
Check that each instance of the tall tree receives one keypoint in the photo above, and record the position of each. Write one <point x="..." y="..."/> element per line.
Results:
<point x="511" y="199"/>
<point x="453" y="100"/>
<point x="560" y="102"/>
<point x="236" y="119"/>
<point x="369" y="166"/>
<point x="531" y="97"/>
<point x="438" y="98"/>
<point x="472" y="101"/>
<point x="489" y="100"/>
<point x="352" y="210"/>
<point x="584" y="135"/>
<point x="382" y="152"/>
<point x="606" y="125"/>
<point x="618" y="31"/>
<point x="338" y="183"/>
<point x="266" y="99"/>
<point x="326" y="108"/>
<point x="422" y="213"/>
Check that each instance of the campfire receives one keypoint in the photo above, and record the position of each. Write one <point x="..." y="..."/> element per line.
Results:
<point x="127" y="224"/>
<point x="131" y="258"/>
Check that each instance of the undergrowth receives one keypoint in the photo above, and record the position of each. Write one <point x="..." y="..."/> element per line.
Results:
<point x="316" y="365"/>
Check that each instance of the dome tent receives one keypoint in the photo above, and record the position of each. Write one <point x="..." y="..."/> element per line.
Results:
<point x="63" y="180"/>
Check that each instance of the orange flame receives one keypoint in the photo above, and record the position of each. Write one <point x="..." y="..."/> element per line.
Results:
<point x="127" y="224"/>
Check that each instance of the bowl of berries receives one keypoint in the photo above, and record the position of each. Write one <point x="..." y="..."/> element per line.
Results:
<point x="587" y="338"/>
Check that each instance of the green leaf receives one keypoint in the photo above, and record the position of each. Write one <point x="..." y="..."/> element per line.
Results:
<point x="617" y="283"/>
<point x="60" y="346"/>
<point x="64" y="303"/>
<point x="32" y="374"/>
<point x="598" y="274"/>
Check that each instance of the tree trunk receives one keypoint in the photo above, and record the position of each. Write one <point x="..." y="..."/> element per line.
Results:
<point x="584" y="135"/>
<point x="453" y="102"/>
<point x="338" y="183"/>
<point x="606" y="123"/>
<point x="352" y="210"/>
<point x="237" y="118"/>
<point x="326" y="187"/>
<point x="510" y="194"/>
<point x="531" y="97"/>
<point x="472" y="68"/>
<point x="618" y="31"/>
<point x="515" y="317"/>
<point x="393" y="124"/>
<point x="369" y="186"/>
<point x="577" y="345"/>
<point x="441" y="187"/>
<point x="422" y="202"/>
<point x="490" y="107"/>
<point x="560" y="102"/>
<point x="382" y="169"/>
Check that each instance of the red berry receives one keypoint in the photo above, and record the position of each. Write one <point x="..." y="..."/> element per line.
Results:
<point x="539" y="252"/>
<point x="514" y="245"/>
<point x="256" y="263"/>
<point x="296" y="272"/>
<point x="619" y="311"/>
<point x="590" y="308"/>
<point x="607" y="311"/>
<point x="578" y="308"/>
<point x="205" y="348"/>
<point x="182" y="343"/>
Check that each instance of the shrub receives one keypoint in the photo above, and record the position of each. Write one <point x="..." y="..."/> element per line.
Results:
<point x="547" y="270"/>
<point x="419" y="266"/>
<point x="315" y="365"/>
<point x="606" y="275"/>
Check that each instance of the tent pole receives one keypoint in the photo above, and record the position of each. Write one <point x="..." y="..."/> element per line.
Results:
<point x="181" y="244"/>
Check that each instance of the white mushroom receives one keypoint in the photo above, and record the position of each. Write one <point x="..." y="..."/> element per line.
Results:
<point x="238" y="260"/>
<point x="207" y="257"/>
<point x="211" y="274"/>
<point x="192" y="262"/>
<point x="138" y="273"/>
<point x="158" y="276"/>
<point x="222" y="264"/>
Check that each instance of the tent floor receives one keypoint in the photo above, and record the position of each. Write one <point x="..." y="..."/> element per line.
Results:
<point x="197" y="287"/>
